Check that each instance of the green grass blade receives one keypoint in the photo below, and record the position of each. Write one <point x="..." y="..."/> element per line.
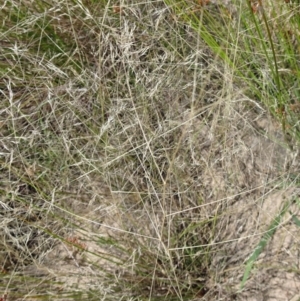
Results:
<point x="263" y="242"/>
<point x="295" y="219"/>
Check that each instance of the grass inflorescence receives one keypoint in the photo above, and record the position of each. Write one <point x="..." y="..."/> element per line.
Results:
<point x="140" y="144"/>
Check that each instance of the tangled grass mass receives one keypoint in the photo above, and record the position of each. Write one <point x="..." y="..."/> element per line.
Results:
<point x="149" y="150"/>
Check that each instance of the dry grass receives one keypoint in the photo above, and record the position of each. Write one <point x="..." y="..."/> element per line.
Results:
<point x="139" y="156"/>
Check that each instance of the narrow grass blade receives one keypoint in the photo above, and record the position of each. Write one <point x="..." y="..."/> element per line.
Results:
<point x="263" y="242"/>
<point x="295" y="219"/>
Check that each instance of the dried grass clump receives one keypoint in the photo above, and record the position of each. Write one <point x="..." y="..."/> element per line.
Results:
<point x="139" y="151"/>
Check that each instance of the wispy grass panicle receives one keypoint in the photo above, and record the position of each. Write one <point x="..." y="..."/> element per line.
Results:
<point x="136" y="152"/>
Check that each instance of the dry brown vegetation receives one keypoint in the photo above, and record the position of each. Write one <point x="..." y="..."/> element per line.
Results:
<point x="149" y="150"/>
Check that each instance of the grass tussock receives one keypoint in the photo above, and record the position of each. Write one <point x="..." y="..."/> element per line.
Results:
<point x="140" y="145"/>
